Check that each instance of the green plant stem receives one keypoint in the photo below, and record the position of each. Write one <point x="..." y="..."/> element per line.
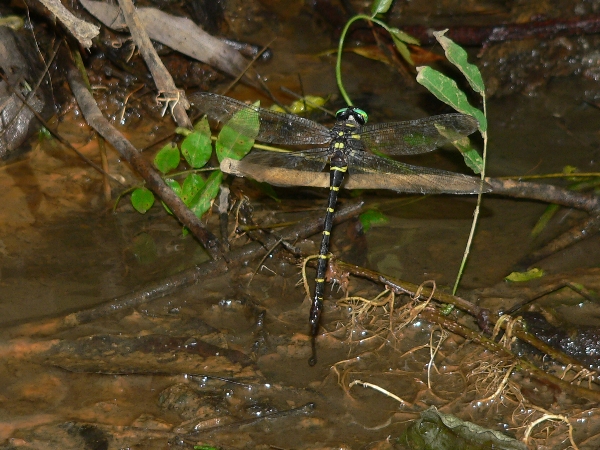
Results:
<point x="338" y="65"/>
<point x="477" y="207"/>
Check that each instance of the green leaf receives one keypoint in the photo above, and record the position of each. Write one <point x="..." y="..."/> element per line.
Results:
<point x="542" y="222"/>
<point x="196" y="148"/>
<point x="404" y="51"/>
<point x="44" y="134"/>
<point x="183" y="131"/>
<point x="202" y="202"/>
<point x="235" y="144"/>
<point x="472" y="159"/>
<point x="446" y="90"/>
<point x="142" y="200"/>
<point x="380" y="7"/>
<point x="440" y="431"/>
<point x="446" y="309"/>
<point x="173" y="184"/>
<point x="192" y="185"/>
<point x="167" y="158"/>
<point x="370" y="218"/>
<point x="400" y="35"/>
<point x="531" y="274"/>
<point x="458" y="56"/>
<point x="305" y="104"/>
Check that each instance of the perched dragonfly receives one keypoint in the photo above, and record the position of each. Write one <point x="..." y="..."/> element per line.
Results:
<point x="350" y="146"/>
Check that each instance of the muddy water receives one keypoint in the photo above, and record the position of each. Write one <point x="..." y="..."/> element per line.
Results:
<point x="234" y="348"/>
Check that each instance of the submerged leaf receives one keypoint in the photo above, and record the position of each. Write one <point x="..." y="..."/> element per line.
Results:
<point x="542" y="222"/>
<point x="531" y="274"/>
<point x="370" y="218"/>
<point x="439" y="431"/>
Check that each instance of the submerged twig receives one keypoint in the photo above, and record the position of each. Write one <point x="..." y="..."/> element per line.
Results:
<point x="577" y="233"/>
<point x="185" y="278"/>
<point x="301" y="410"/>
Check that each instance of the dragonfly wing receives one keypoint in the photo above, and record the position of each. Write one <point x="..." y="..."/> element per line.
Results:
<point x="373" y="172"/>
<point x="276" y="128"/>
<point x="416" y="136"/>
<point x="311" y="160"/>
<point x="302" y="168"/>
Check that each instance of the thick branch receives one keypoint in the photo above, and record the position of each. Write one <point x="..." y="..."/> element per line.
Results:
<point x="94" y="117"/>
<point x="545" y="193"/>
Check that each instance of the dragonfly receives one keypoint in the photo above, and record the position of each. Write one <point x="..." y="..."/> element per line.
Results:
<point x="350" y="146"/>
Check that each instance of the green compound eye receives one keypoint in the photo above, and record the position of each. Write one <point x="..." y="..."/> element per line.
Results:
<point x="362" y="114"/>
<point x="359" y="115"/>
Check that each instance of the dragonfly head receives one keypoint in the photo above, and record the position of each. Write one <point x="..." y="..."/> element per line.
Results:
<point x="353" y="113"/>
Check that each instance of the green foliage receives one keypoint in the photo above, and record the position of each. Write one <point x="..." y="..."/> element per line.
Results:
<point x="142" y="200"/>
<point x="446" y="90"/>
<point x="471" y="156"/>
<point x="196" y="148"/>
<point x="167" y="158"/>
<point x="236" y="144"/>
<point x="544" y="219"/>
<point x="196" y="192"/>
<point x="204" y="198"/>
<point x="531" y="274"/>
<point x="305" y="104"/>
<point x="380" y="7"/>
<point x="458" y="56"/>
<point x="192" y="186"/>
<point x="371" y="218"/>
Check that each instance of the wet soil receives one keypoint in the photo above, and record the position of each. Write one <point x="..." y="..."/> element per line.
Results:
<point x="224" y="362"/>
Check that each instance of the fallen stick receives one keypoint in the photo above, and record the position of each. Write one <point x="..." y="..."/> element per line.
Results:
<point x="183" y="279"/>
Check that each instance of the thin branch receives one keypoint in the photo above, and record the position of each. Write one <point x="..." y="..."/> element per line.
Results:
<point x="160" y="74"/>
